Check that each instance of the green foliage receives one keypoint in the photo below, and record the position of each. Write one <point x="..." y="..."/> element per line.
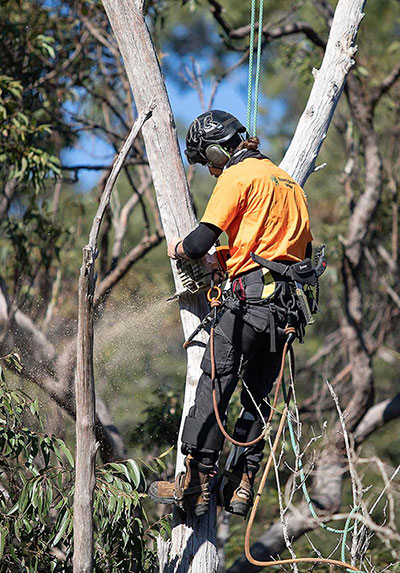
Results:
<point x="161" y="423"/>
<point x="36" y="498"/>
<point x="22" y="138"/>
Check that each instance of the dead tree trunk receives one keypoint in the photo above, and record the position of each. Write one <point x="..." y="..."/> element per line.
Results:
<point x="299" y="160"/>
<point x="86" y="445"/>
<point x="193" y="543"/>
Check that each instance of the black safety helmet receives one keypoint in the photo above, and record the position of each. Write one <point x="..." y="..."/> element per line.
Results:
<point x="207" y="135"/>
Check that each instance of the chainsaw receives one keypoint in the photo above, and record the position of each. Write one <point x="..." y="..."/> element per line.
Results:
<point x="196" y="275"/>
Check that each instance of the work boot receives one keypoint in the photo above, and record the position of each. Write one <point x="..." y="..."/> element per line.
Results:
<point x="190" y="491"/>
<point x="236" y="492"/>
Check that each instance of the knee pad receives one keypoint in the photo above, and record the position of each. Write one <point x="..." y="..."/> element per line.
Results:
<point x="247" y="430"/>
<point x="201" y="436"/>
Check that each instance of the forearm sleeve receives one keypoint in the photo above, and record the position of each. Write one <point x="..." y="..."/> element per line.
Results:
<point x="199" y="241"/>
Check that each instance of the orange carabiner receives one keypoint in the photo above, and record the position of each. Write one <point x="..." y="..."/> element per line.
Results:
<point x="211" y="298"/>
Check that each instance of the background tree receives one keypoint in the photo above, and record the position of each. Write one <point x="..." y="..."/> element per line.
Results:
<point x="83" y="89"/>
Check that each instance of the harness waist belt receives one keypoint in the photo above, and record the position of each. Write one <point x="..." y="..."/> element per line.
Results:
<point x="256" y="275"/>
<point x="302" y="272"/>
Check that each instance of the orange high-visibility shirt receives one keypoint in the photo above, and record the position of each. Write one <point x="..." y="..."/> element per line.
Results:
<point x="262" y="210"/>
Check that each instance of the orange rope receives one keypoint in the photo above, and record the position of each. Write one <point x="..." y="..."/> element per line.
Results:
<point x="287" y="347"/>
<point x="288" y="330"/>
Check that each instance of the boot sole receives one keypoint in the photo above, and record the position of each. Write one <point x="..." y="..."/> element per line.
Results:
<point x="152" y="493"/>
<point x="238" y="508"/>
<point x="198" y="510"/>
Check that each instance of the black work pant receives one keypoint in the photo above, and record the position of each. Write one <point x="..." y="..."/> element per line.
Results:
<point x="236" y="344"/>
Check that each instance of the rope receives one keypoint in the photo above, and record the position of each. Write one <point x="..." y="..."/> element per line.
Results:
<point x="249" y="557"/>
<point x="296" y="451"/>
<point x="290" y="332"/>
<point x="253" y="111"/>
<point x="258" y="67"/>
<point x="251" y="58"/>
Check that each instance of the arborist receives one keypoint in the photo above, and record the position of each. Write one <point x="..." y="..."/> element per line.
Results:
<point x="265" y="216"/>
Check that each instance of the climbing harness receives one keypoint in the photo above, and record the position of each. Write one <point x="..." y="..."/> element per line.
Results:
<point x="252" y="111"/>
<point x="302" y="275"/>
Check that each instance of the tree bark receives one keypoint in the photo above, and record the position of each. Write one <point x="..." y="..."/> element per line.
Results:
<point x="86" y="445"/>
<point x="193" y="544"/>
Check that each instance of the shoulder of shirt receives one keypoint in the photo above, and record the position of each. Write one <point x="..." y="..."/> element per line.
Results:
<point x="243" y="170"/>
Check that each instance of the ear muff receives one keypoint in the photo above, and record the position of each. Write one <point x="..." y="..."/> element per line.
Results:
<point x="217" y="156"/>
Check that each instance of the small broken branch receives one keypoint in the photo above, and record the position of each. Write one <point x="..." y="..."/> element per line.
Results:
<point x="118" y="164"/>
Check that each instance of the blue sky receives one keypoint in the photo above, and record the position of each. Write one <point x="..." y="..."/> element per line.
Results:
<point x="231" y="96"/>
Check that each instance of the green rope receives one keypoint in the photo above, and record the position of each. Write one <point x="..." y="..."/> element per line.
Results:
<point x="296" y="451"/>
<point x="303" y="479"/>
<point x="251" y="58"/>
<point x="253" y="110"/>
<point x="345" y="532"/>
<point x="258" y="67"/>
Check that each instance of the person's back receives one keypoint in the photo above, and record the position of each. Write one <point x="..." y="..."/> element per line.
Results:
<point x="263" y="211"/>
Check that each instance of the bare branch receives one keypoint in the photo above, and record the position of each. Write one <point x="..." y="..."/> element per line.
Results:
<point x="121" y="222"/>
<point x="282" y="31"/>
<point x="123" y="266"/>
<point x="57" y="71"/>
<point x="326" y="10"/>
<point x="268" y="33"/>
<point x="101" y="167"/>
<point x="385" y="85"/>
<point x="119" y="162"/>
<point x="377" y="417"/>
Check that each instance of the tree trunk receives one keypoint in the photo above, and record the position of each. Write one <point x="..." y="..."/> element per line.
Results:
<point x="86" y="446"/>
<point x="85" y="422"/>
<point x="193" y="547"/>
<point x="193" y="544"/>
<point x="299" y="160"/>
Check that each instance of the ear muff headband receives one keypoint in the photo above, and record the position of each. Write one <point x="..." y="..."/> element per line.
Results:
<point x="217" y="156"/>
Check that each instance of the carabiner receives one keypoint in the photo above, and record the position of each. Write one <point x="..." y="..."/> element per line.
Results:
<point x="211" y="298"/>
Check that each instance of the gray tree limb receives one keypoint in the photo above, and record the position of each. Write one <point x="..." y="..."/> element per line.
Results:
<point x="86" y="444"/>
<point x="299" y="160"/>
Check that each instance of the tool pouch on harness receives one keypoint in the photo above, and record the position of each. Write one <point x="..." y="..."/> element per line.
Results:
<point x="267" y="317"/>
<point x="301" y="276"/>
<point x="303" y="272"/>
